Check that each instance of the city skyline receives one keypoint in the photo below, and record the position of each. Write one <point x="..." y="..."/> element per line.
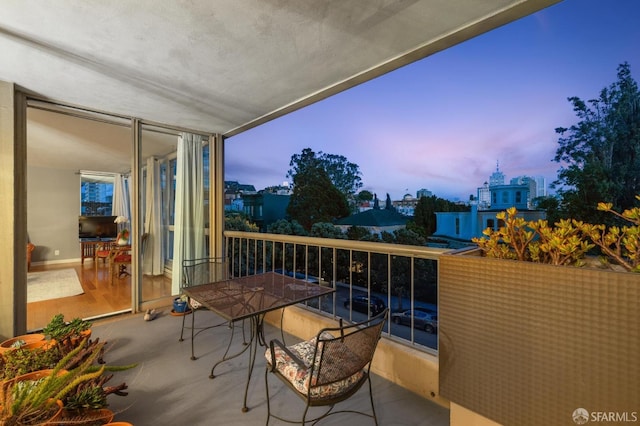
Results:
<point x="443" y="122"/>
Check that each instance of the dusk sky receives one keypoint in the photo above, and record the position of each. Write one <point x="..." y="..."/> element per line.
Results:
<point x="443" y="122"/>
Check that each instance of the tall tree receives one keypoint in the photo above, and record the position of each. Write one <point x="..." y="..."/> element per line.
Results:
<point x="364" y="196"/>
<point x="344" y="175"/>
<point x="315" y="198"/>
<point x="600" y="155"/>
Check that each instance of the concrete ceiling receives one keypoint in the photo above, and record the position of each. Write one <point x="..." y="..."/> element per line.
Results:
<point x="223" y="66"/>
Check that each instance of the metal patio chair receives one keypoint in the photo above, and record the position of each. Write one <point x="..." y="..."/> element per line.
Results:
<point x="327" y="369"/>
<point x="197" y="272"/>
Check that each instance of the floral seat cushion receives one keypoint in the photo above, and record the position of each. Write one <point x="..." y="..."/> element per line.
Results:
<point x="301" y="378"/>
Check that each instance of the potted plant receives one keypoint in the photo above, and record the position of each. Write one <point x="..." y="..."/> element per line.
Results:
<point x="75" y="380"/>
<point x="21" y="341"/>
<point x="59" y="330"/>
<point x="528" y="310"/>
<point x="21" y="361"/>
<point x="180" y="305"/>
<point x="27" y="400"/>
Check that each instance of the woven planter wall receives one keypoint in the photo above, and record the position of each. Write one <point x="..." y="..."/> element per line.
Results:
<point x="528" y="344"/>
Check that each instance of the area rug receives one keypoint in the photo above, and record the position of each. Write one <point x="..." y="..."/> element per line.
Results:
<point x="52" y="285"/>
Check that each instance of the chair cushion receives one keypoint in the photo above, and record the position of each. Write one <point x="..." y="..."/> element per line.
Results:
<point x="194" y="304"/>
<point x="300" y="378"/>
<point x="122" y="258"/>
<point x="102" y="253"/>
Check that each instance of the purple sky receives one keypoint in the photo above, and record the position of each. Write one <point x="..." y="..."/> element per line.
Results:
<point x="443" y="122"/>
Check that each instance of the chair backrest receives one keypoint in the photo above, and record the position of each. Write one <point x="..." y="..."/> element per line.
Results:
<point x="348" y="352"/>
<point x="203" y="271"/>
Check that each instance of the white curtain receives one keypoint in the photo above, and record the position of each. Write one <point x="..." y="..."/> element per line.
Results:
<point x="188" y="238"/>
<point x="121" y="205"/>
<point x="152" y="255"/>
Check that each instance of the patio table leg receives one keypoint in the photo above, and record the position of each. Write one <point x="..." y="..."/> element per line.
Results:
<point x="225" y="357"/>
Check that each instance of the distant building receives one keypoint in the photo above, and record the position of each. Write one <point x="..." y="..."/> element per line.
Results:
<point x="407" y="205"/>
<point x="505" y="196"/>
<point x="284" y="189"/>
<point x="234" y="191"/>
<point x="484" y="197"/>
<point x="531" y="182"/>
<point x="423" y="193"/>
<point x="497" y="177"/>
<point x="365" y="205"/>
<point x="464" y="226"/>
<point x="265" y="208"/>
<point x="541" y="186"/>
<point x="376" y="220"/>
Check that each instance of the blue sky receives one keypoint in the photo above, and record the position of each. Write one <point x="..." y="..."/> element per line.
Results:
<point x="443" y="122"/>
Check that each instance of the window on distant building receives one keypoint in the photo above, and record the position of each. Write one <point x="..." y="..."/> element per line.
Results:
<point x="491" y="224"/>
<point x="518" y="196"/>
<point x="457" y="226"/>
<point x="505" y="197"/>
<point x="96" y="193"/>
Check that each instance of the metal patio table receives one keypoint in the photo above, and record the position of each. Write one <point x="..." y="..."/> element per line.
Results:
<point x="251" y="298"/>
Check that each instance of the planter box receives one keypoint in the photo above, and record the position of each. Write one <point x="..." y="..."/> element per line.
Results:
<point x="528" y="344"/>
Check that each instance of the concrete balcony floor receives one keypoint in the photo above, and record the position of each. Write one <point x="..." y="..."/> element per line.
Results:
<point x="167" y="387"/>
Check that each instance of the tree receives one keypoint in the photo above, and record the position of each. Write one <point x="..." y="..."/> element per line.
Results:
<point x="357" y="233"/>
<point x="364" y="196"/>
<point x="315" y="198"/>
<point x="285" y="227"/>
<point x="236" y="221"/>
<point x="344" y="175"/>
<point x="551" y="205"/>
<point x="326" y="230"/>
<point x="600" y="155"/>
<point x="408" y="237"/>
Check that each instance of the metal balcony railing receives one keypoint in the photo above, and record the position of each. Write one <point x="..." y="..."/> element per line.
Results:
<point x="367" y="276"/>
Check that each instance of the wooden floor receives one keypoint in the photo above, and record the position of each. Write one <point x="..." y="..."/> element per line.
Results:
<point x="100" y="296"/>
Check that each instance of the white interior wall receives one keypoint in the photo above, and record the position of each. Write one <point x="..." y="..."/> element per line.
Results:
<point x="53" y="207"/>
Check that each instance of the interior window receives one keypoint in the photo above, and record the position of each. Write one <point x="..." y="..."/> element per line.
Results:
<point x="96" y="194"/>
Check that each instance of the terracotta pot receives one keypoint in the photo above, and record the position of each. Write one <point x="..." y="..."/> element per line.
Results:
<point x="52" y="420"/>
<point x="85" y="416"/>
<point x="44" y="344"/>
<point x="37" y="375"/>
<point x="119" y="424"/>
<point x="28" y="339"/>
<point x="83" y="335"/>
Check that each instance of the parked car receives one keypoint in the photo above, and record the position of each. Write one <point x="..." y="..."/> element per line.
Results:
<point x="364" y="303"/>
<point x="427" y="321"/>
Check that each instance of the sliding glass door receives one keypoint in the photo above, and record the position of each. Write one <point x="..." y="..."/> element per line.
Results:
<point x="173" y="206"/>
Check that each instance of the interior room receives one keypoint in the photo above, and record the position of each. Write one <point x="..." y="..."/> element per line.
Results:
<point x="63" y="148"/>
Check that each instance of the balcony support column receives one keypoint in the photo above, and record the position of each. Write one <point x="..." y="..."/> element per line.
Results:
<point x="13" y="211"/>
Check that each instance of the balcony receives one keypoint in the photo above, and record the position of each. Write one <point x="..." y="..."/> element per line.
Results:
<point x="167" y="378"/>
<point x="169" y="388"/>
